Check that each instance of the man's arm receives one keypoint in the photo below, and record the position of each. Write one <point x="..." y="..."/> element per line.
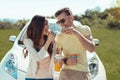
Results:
<point x="86" y="41"/>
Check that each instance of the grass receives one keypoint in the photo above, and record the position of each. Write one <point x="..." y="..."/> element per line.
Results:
<point x="108" y="50"/>
<point x="5" y="44"/>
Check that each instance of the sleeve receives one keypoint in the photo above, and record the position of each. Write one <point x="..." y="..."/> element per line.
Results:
<point x="32" y="52"/>
<point x="85" y="30"/>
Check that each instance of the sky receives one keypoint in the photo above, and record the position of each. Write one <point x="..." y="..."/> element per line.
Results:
<point x="26" y="9"/>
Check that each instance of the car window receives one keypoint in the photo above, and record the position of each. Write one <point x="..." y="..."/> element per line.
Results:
<point x="22" y="35"/>
<point x="55" y="27"/>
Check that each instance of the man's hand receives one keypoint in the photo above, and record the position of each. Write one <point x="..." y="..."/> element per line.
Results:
<point x="71" y="61"/>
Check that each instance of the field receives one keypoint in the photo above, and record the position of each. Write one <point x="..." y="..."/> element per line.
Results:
<point x="5" y="44"/>
<point x="108" y="50"/>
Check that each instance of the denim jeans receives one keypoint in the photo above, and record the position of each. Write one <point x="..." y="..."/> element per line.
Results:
<point x="38" y="79"/>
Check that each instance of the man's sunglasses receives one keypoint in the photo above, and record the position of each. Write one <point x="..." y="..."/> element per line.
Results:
<point x="61" y="21"/>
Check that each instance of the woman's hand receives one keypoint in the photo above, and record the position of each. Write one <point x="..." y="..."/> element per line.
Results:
<point x="51" y="37"/>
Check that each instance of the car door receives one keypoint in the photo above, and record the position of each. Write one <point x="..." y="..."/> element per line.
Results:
<point x="19" y="50"/>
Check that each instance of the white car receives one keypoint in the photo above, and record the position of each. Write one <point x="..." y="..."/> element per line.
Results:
<point x="14" y="66"/>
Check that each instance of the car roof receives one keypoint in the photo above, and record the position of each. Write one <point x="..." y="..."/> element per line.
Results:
<point x="52" y="20"/>
<point x="55" y="20"/>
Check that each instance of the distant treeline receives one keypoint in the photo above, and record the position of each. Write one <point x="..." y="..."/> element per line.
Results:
<point x="9" y="24"/>
<point x="110" y="19"/>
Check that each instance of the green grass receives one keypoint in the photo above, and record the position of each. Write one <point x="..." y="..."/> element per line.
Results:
<point x="5" y="44"/>
<point x="108" y="50"/>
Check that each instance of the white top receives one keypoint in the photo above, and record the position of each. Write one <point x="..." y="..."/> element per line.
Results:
<point x="39" y="62"/>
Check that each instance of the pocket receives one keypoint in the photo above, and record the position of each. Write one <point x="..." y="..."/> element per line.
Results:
<point x="67" y="74"/>
<point x="64" y="75"/>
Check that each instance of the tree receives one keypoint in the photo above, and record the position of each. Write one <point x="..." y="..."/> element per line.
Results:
<point x="117" y="3"/>
<point x="115" y="12"/>
<point x="21" y="23"/>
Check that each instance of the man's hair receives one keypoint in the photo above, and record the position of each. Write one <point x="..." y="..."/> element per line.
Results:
<point x="65" y="10"/>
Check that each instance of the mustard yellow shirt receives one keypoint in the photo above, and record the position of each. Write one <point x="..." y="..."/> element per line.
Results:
<point x="70" y="44"/>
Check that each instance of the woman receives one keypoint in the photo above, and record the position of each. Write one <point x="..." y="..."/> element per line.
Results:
<point x="39" y="43"/>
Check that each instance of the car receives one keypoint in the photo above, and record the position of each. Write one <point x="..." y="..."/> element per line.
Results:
<point x="14" y="64"/>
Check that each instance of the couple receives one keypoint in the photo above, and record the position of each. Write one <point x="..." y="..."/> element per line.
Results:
<point x="72" y="39"/>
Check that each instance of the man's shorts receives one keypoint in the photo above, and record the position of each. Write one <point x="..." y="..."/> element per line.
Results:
<point x="67" y="74"/>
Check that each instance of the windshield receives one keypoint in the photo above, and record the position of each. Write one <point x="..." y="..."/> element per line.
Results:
<point x="55" y="27"/>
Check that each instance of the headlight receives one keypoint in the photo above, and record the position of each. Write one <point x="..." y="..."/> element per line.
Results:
<point x="10" y="64"/>
<point x="93" y="66"/>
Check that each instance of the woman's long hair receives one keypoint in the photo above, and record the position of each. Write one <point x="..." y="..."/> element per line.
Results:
<point x="34" y="32"/>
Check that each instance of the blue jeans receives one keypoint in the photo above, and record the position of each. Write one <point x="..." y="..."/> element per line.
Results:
<point x="38" y="79"/>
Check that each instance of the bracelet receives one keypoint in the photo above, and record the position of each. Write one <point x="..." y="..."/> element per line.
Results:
<point x="65" y="61"/>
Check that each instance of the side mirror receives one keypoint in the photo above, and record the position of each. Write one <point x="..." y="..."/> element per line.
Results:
<point x="96" y="41"/>
<point x="12" y="38"/>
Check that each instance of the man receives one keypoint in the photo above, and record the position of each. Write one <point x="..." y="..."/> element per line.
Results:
<point x="73" y="40"/>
